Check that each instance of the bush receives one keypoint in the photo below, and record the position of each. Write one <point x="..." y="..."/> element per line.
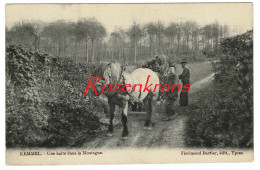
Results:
<point x="159" y="64"/>
<point x="45" y="105"/>
<point x="225" y="119"/>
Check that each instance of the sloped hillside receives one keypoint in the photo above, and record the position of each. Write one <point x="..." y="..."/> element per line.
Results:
<point x="223" y="116"/>
<point x="45" y="105"/>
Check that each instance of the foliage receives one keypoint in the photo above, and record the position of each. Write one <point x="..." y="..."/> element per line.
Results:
<point x="159" y="64"/>
<point x="225" y="119"/>
<point x="21" y="34"/>
<point x="137" y="43"/>
<point x="45" y="106"/>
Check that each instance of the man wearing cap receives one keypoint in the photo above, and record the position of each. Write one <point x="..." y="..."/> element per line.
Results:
<point x="185" y="78"/>
<point x="171" y="97"/>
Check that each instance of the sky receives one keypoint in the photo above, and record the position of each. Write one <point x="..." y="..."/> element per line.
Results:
<point x="238" y="16"/>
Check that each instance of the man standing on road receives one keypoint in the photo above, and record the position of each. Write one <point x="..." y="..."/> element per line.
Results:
<point x="171" y="97"/>
<point x="185" y="78"/>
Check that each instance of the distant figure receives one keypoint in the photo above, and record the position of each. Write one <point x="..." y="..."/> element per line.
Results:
<point x="171" y="97"/>
<point x="185" y="78"/>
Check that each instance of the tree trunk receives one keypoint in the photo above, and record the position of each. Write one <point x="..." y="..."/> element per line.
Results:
<point x="171" y="45"/>
<point x="76" y="48"/>
<point x="46" y="45"/>
<point x="109" y="54"/>
<point x="187" y="44"/>
<point x="156" y="44"/>
<point x="122" y="54"/>
<point x="192" y="44"/>
<point x="217" y="46"/>
<point x="39" y="42"/>
<point x="126" y="53"/>
<point x="178" y="41"/>
<point x="87" y="50"/>
<point x="53" y="47"/>
<point x="135" y="51"/>
<point x="159" y="43"/>
<point x="101" y="53"/>
<point x="151" y="46"/>
<point x="140" y="47"/>
<point x="59" y="48"/>
<point x="35" y="43"/>
<point x="65" y="47"/>
<point x="183" y="44"/>
<point x="92" y="42"/>
<point x="112" y="54"/>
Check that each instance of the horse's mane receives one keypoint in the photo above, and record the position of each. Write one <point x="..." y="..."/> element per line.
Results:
<point x="116" y="70"/>
<point x="100" y="68"/>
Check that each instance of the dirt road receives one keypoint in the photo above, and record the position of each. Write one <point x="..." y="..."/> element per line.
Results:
<point x="164" y="133"/>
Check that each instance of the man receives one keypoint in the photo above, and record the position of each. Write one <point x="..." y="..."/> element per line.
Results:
<point x="171" y="97"/>
<point x="185" y="78"/>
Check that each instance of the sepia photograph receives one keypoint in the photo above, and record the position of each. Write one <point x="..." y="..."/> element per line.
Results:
<point x="129" y="83"/>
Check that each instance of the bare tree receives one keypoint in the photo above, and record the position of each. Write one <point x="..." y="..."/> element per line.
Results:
<point x="142" y="41"/>
<point x="81" y="34"/>
<point x="22" y="34"/>
<point x="194" y="36"/>
<point x="170" y="33"/>
<point x="95" y="30"/>
<point x="150" y="29"/>
<point x="116" y="41"/>
<point x="38" y="30"/>
<point x="58" y="32"/>
<point x="178" y="34"/>
<point x="187" y="30"/>
<point x="216" y="31"/>
<point x="159" y="35"/>
<point x="134" y="34"/>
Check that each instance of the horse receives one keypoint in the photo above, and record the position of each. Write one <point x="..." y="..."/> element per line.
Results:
<point x="114" y="73"/>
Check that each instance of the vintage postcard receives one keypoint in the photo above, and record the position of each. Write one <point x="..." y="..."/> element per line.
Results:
<point x="129" y="83"/>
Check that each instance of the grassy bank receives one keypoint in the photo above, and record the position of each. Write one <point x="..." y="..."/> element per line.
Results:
<point x="222" y="113"/>
<point x="45" y="106"/>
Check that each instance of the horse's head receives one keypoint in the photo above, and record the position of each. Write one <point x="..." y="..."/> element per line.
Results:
<point x="112" y="73"/>
<point x="99" y="71"/>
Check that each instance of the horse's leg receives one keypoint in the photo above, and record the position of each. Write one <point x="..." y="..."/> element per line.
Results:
<point x="124" y="120"/>
<point x="151" y="110"/>
<point x="154" y="106"/>
<point x="134" y="106"/>
<point x="148" y="112"/>
<point x="111" y="114"/>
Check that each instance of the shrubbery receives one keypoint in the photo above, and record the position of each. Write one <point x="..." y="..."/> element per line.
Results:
<point x="45" y="105"/>
<point x="159" y="64"/>
<point x="225" y="119"/>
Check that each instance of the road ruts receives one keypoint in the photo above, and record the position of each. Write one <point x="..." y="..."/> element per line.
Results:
<point x="164" y="134"/>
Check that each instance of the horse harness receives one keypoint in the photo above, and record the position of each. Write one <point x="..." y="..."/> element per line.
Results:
<point x="122" y="81"/>
<point x="131" y="91"/>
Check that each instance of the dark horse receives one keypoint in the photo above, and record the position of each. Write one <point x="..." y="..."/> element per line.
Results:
<point x="113" y="73"/>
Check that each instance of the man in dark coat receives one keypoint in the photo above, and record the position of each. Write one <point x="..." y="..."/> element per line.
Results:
<point x="185" y="78"/>
<point x="171" y="97"/>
